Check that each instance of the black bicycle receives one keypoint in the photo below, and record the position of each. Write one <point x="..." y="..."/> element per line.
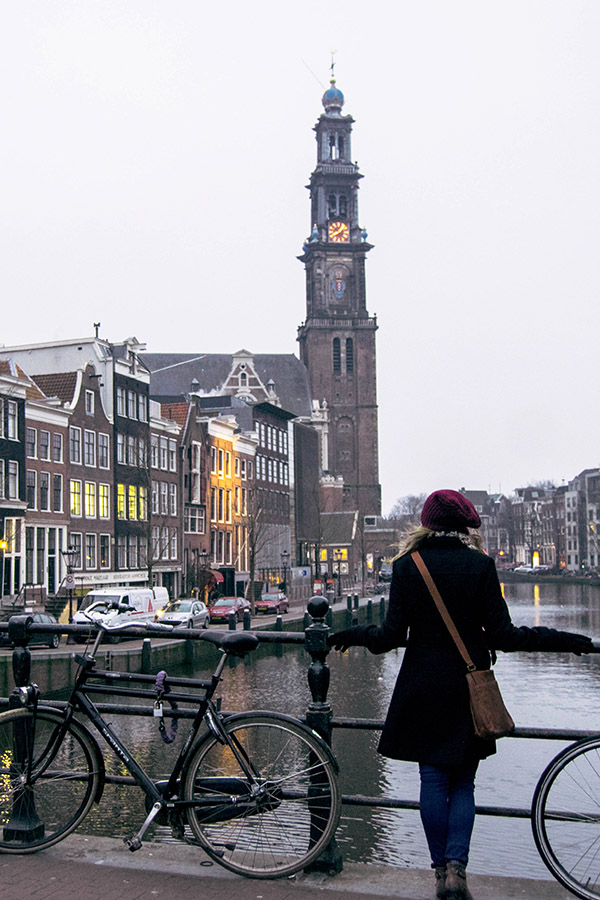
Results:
<point x="257" y="791"/>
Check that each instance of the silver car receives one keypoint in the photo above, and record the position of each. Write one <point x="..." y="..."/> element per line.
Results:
<point x="184" y="614"/>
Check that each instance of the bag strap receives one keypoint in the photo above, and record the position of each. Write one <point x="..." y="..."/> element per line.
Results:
<point x="441" y="606"/>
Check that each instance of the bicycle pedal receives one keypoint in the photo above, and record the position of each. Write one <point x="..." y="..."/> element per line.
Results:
<point x="132" y="844"/>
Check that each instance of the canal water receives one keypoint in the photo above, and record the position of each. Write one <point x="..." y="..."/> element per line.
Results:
<point x="541" y="690"/>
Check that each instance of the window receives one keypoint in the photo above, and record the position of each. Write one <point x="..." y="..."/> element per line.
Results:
<point x="13" y="421"/>
<point x="2" y="480"/>
<point x="89" y="405"/>
<point x="220" y="463"/>
<point x="90" y="499"/>
<point x="104" y="501"/>
<point x="228" y="547"/>
<point x="45" y="491"/>
<point x="57" y="492"/>
<point x="90" y="550"/>
<point x="89" y="447"/>
<point x="228" y="506"/>
<point x="250" y="469"/>
<point x="243" y="467"/>
<point x="132" y="501"/>
<point x="103" y="451"/>
<point x="31" y="483"/>
<point x="227" y="464"/>
<point x="337" y="357"/>
<point x="194" y="520"/>
<point x="155" y="498"/>
<point x="121" y="551"/>
<point x="164" y="448"/>
<point x="12" y="491"/>
<point x="143" y="503"/>
<point x="172" y="455"/>
<point x="154" y="451"/>
<point x="121" y="401"/>
<point x="142" y="408"/>
<point x="238" y="501"/>
<point x="31" y="442"/>
<point x="105" y="551"/>
<point x="213" y="460"/>
<point x="155" y="542"/>
<point x="236" y="467"/>
<point x="164" y="540"/>
<point x="75" y="543"/>
<point x="263" y="439"/>
<point x="164" y="498"/>
<point x="131" y="405"/>
<point x="213" y="504"/>
<point x="131" y="450"/>
<point x="75" y="491"/>
<point x="349" y="356"/>
<point x="221" y="505"/>
<point x="173" y="543"/>
<point x="121" y="449"/>
<point x="57" y="448"/>
<point x="44" y="445"/>
<point x="75" y="444"/>
<point x="121" y="501"/>
<point x="133" y="551"/>
<point x="142" y="453"/>
<point x="173" y="499"/>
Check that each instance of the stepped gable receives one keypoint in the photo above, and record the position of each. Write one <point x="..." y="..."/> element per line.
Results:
<point x="58" y="384"/>
<point x="172" y="375"/>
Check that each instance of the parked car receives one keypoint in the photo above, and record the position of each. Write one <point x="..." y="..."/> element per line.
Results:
<point x="272" y="602"/>
<point x="220" y="611"/>
<point x="184" y="614"/>
<point x="526" y="570"/>
<point x="385" y="572"/>
<point x="40" y="637"/>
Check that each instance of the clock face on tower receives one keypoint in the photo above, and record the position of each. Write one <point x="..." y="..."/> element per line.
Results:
<point x="338" y="232"/>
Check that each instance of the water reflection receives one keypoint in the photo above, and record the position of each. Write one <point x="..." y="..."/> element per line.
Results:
<point x="541" y="689"/>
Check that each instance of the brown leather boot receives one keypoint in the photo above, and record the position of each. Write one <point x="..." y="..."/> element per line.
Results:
<point x="456" y="883"/>
<point x="440" y="882"/>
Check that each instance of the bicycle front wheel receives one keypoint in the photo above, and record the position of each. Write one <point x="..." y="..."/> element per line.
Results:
<point x="565" y="818"/>
<point x="280" y="818"/>
<point x="46" y="786"/>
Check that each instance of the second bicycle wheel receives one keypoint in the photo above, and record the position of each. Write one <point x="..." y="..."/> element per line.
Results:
<point x="46" y="786"/>
<point x="279" y="820"/>
<point x="565" y="818"/>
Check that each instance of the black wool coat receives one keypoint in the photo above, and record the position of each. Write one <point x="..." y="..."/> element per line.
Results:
<point x="429" y="717"/>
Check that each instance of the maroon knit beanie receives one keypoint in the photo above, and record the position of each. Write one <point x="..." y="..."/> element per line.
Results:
<point x="449" y="511"/>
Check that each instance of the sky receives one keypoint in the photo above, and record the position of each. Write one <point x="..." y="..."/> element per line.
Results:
<point x="153" y="165"/>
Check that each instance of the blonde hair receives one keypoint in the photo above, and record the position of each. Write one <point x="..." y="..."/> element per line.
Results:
<point x="420" y="535"/>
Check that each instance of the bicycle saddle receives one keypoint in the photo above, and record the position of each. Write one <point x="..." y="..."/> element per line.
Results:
<point x="236" y="642"/>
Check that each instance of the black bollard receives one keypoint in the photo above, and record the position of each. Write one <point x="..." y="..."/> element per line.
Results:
<point x="369" y="611"/>
<point x="247" y="620"/>
<point x="382" y="611"/>
<point x="232" y="621"/>
<point x="24" y="823"/>
<point x="319" y="714"/>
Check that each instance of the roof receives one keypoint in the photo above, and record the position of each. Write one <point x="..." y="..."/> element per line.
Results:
<point x="177" y="412"/>
<point x="338" y="527"/>
<point x="172" y="375"/>
<point x="59" y="384"/>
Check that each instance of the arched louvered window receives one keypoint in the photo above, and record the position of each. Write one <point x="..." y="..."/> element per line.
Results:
<point x="349" y="355"/>
<point x="337" y="357"/>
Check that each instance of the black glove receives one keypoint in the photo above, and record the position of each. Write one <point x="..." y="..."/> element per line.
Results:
<point x="351" y="637"/>
<point x="569" y="642"/>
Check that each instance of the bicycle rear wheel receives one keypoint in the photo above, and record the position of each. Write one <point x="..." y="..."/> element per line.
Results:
<point x="276" y="822"/>
<point x="46" y="787"/>
<point x="565" y="818"/>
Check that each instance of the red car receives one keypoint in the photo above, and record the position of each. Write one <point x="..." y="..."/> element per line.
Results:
<point x="220" y="611"/>
<point x="275" y="602"/>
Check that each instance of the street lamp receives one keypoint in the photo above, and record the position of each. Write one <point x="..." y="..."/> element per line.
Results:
<point x="203" y="557"/>
<point x="337" y="556"/>
<point x="285" y="558"/>
<point x="70" y="556"/>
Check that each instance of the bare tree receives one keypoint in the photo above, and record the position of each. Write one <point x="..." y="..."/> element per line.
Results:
<point x="257" y="537"/>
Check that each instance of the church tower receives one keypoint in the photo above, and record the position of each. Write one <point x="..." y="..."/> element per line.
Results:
<point x="337" y="340"/>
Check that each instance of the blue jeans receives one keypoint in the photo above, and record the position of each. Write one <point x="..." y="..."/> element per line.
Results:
<point x="448" y="810"/>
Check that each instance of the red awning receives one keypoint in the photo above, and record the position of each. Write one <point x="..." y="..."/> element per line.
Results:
<point x="217" y="576"/>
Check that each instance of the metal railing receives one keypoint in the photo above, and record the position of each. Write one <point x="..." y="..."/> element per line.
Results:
<point x="319" y="714"/>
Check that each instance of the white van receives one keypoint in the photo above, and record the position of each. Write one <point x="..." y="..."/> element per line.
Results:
<point x="102" y="605"/>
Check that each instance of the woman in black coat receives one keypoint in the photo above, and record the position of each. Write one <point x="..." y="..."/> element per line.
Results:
<point x="429" y="719"/>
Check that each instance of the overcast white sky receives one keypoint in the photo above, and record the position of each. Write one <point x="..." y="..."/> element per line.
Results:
<point x="152" y="170"/>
